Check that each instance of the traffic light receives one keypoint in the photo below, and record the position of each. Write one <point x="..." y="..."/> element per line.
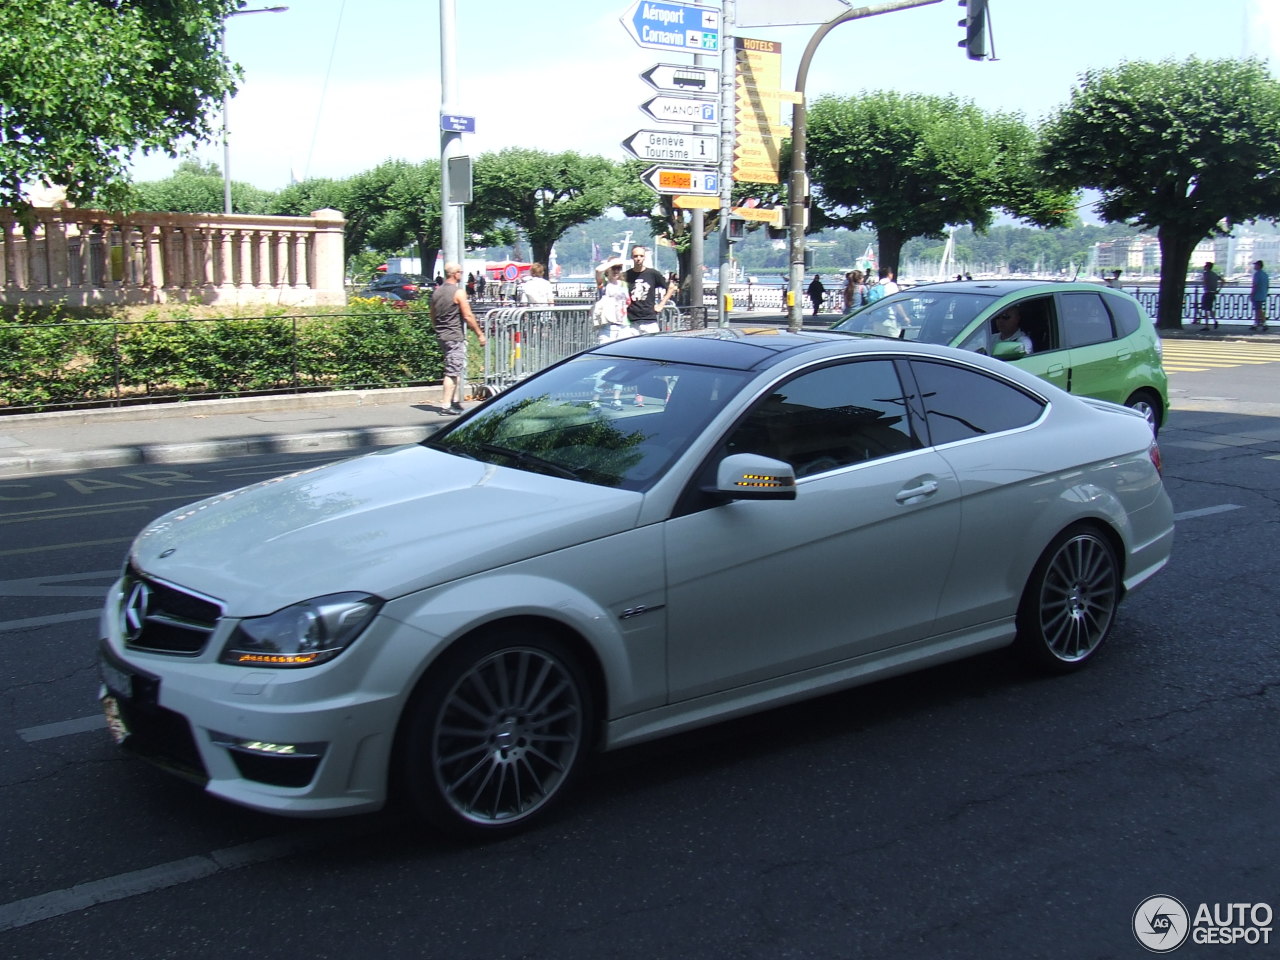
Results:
<point x="737" y="228"/>
<point x="975" y="29"/>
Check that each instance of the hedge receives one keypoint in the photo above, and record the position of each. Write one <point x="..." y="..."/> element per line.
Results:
<point x="56" y="360"/>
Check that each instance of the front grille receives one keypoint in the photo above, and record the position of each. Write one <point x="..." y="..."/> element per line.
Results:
<point x="160" y="618"/>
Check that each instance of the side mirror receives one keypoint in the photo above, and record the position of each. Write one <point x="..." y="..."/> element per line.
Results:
<point x="750" y="476"/>
<point x="1007" y="350"/>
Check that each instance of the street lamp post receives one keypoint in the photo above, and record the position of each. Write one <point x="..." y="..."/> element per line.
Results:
<point x="799" y="185"/>
<point x="226" y="107"/>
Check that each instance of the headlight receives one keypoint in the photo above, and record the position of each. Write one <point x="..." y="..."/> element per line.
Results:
<point x="302" y="635"/>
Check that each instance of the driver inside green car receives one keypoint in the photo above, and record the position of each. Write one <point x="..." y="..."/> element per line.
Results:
<point x="1011" y="340"/>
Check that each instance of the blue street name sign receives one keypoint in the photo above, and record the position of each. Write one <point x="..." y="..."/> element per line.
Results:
<point x="457" y="124"/>
<point x="687" y="27"/>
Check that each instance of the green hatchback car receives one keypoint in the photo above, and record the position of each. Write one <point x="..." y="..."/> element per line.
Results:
<point x="1089" y="340"/>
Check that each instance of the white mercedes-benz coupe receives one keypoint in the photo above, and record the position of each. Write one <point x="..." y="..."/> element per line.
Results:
<point x="655" y="534"/>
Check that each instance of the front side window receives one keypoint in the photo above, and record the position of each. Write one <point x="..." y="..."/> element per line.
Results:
<point x="961" y="403"/>
<point x="614" y="422"/>
<point x="829" y="418"/>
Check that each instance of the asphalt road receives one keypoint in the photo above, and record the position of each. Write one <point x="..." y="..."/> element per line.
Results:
<point x="974" y="810"/>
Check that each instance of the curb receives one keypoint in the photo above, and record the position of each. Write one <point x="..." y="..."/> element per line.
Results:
<point x="204" y="451"/>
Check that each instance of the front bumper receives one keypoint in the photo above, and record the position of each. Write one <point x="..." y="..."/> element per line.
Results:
<point x="313" y="741"/>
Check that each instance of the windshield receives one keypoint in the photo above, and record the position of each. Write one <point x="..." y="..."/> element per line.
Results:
<point x="610" y="421"/>
<point x="930" y="316"/>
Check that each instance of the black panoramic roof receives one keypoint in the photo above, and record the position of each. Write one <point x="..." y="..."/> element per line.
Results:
<point x="731" y="348"/>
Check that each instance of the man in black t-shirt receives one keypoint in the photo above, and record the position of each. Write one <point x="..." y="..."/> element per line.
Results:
<point x="649" y="293"/>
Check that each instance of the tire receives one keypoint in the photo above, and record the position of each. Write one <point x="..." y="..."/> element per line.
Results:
<point x="494" y="734"/>
<point x="1147" y="404"/>
<point x="1070" y="600"/>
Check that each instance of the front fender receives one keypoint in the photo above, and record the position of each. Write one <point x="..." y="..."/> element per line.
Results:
<point x="610" y="593"/>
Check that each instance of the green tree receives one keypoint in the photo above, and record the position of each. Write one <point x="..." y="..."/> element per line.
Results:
<point x="86" y="83"/>
<point x="1181" y="147"/>
<point x="912" y="164"/>
<point x="542" y="194"/>
<point x="196" y="188"/>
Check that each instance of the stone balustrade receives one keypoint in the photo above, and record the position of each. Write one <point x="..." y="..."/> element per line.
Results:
<point x="85" y="258"/>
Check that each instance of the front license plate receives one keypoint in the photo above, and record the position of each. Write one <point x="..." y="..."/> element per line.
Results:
<point x="115" y="719"/>
<point x="117" y="680"/>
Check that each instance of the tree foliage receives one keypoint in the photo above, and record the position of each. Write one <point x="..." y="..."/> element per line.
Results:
<point x="1180" y="147"/>
<point x="543" y="194"/>
<point x="197" y="188"/>
<point x="86" y="83"/>
<point x="912" y="164"/>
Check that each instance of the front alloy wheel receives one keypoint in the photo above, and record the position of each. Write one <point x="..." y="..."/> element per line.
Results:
<point x="1070" y="601"/>
<point x="495" y="736"/>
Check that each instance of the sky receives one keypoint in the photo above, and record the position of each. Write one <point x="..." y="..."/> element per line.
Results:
<point x="334" y="87"/>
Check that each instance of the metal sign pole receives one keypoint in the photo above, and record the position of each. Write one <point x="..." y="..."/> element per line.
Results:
<point x="728" y="117"/>
<point x="799" y="186"/>
<point x="450" y="140"/>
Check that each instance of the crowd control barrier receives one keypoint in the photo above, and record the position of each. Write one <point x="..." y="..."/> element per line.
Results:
<point x="520" y="341"/>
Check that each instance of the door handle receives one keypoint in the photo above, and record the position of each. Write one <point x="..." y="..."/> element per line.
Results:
<point x="926" y="488"/>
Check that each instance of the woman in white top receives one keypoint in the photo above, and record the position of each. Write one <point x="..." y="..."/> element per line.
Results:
<point x="609" y="315"/>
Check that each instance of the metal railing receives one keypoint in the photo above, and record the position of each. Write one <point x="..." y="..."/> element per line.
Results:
<point x="1233" y="307"/>
<point x="520" y="341"/>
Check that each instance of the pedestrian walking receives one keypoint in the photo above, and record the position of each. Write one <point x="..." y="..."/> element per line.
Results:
<point x="449" y="310"/>
<point x="648" y="290"/>
<point x="817" y="291"/>
<point x="537" y="291"/>
<point x="855" y="291"/>
<point x="1258" y="291"/>
<point x="1211" y="281"/>
<point x="883" y="287"/>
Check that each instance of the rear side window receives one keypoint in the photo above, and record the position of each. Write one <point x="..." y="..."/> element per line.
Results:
<point x="1085" y="320"/>
<point x="961" y="403"/>
<point x="1127" y="315"/>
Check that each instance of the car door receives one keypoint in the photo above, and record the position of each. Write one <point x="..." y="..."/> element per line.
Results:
<point x="1039" y="318"/>
<point x="1096" y="355"/>
<point x="984" y="427"/>
<point x="854" y="564"/>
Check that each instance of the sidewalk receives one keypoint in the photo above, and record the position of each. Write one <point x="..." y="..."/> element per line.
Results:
<point x="203" y="430"/>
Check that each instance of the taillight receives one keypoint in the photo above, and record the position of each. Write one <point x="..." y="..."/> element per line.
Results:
<point x="1153" y="452"/>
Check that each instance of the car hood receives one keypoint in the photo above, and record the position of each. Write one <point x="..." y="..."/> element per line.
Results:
<point x="387" y="524"/>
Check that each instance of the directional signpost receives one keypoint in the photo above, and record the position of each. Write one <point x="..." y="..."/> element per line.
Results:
<point x="677" y="180"/>
<point x="683" y="27"/>
<point x="681" y="79"/>
<point x="674" y="146"/>
<point x="682" y="110"/>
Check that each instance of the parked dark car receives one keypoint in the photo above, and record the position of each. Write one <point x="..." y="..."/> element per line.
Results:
<point x="393" y="297"/>
<point x="408" y="285"/>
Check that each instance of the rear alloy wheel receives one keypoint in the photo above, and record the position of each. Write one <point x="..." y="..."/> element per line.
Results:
<point x="1147" y="404"/>
<point x="1070" y="600"/>
<point x="495" y="734"/>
